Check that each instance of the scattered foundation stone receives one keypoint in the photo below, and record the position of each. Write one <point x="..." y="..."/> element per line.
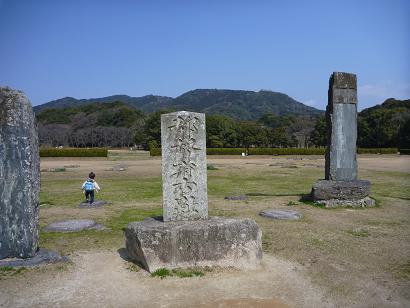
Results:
<point x="281" y="214"/>
<point x="118" y="168"/>
<point x="341" y="187"/>
<point x="72" y="166"/>
<point x="54" y="170"/>
<point x="19" y="176"/>
<point x="73" y="225"/>
<point x="185" y="236"/>
<point x="237" y="198"/>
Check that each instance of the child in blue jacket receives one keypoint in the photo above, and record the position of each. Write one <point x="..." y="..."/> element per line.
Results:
<point x="89" y="186"/>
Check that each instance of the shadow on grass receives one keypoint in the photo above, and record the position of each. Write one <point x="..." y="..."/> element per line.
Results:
<point x="402" y="198"/>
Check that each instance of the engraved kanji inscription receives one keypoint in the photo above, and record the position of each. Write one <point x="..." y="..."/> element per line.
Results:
<point x="184" y="166"/>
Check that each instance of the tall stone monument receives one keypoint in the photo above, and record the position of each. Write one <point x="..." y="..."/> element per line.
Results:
<point x="186" y="236"/>
<point x="184" y="166"/>
<point x="341" y="187"/>
<point x="19" y="176"/>
<point x="341" y="118"/>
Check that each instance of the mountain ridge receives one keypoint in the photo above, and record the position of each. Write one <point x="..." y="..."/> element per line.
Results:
<point x="238" y="104"/>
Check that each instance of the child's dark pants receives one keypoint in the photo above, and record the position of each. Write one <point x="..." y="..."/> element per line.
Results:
<point x="91" y="195"/>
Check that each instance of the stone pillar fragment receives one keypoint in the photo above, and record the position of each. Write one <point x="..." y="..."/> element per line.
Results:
<point x="19" y="176"/>
<point x="183" y="141"/>
<point x="341" y="116"/>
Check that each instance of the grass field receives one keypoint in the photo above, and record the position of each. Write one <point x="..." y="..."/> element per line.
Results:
<point x="347" y="257"/>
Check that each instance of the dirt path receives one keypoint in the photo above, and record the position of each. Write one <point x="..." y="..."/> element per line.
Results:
<point x="102" y="279"/>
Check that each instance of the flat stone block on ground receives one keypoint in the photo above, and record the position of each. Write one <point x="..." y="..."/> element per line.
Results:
<point x="341" y="190"/>
<point x="217" y="241"/>
<point x="95" y="204"/>
<point x="237" y="198"/>
<point x="118" y="168"/>
<point x="73" y="225"/>
<point x="43" y="256"/>
<point x="281" y="214"/>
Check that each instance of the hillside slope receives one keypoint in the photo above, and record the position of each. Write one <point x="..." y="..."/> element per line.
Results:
<point x="242" y="105"/>
<point x="384" y="125"/>
<point x="147" y="102"/>
<point x="238" y="104"/>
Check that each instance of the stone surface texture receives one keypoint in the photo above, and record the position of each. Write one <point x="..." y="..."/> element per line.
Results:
<point x="43" y="256"/>
<point x="364" y="202"/>
<point x="184" y="178"/>
<point x="281" y="214"/>
<point x="342" y="190"/>
<point x="215" y="241"/>
<point x="341" y="117"/>
<point x="19" y="176"/>
<point x="73" y="225"/>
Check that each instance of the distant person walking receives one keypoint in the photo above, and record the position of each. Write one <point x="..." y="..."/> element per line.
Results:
<point x="89" y="186"/>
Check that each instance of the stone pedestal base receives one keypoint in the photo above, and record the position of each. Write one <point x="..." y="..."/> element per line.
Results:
<point x="217" y="241"/>
<point x="43" y="256"/>
<point x="342" y="193"/>
<point x="347" y="203"/>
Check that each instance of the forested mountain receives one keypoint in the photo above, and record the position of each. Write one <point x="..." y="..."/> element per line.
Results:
<point x="118" y="124"/>
<point x="385" y="125"/>
<point x="238" y="104"/>
<point x="147" y="103"/>
<point x="241" y="105"/>
<point x="381" y="126"/>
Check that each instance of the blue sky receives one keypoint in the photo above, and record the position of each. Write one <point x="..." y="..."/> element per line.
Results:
<point x="52" y="49"/>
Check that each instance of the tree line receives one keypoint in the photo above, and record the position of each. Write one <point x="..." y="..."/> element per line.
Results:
<point x="120" y="125"/>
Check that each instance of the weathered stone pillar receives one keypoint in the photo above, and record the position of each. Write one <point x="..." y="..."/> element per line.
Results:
<point x="184" y="181"/>
<point x="186" y="237"/>
<point x="341" y="187"/>
<point x="19" y="176"/>
<point x="341" y="117"/>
